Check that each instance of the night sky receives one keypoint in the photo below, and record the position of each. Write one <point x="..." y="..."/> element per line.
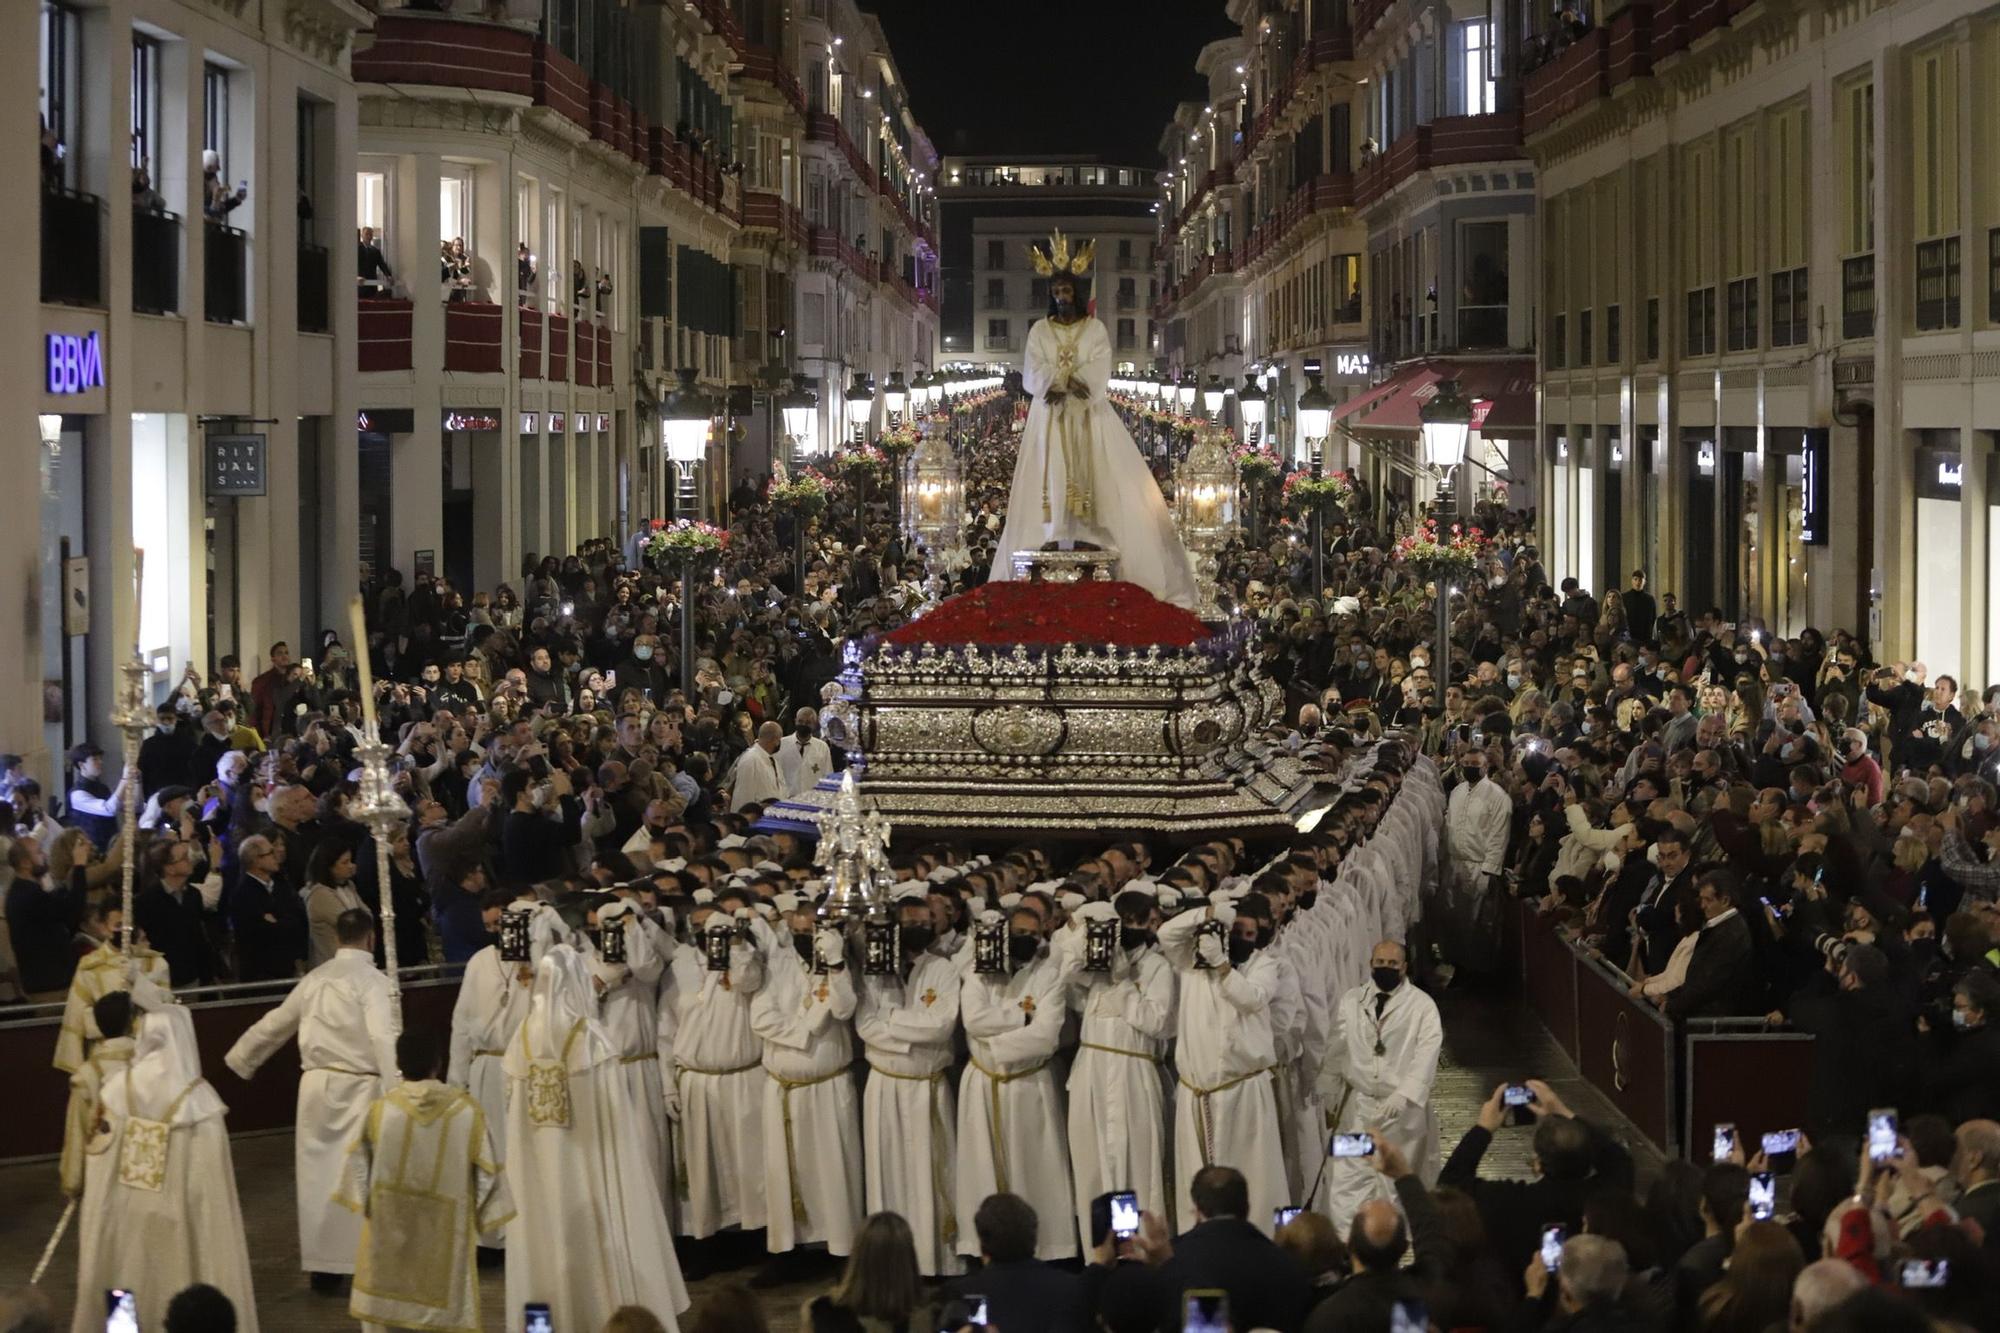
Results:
<point x="1050" y="76"/>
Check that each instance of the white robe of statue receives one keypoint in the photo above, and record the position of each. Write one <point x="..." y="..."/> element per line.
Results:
<point x="1079" y="477"/>
<point x="159" y="1196"/>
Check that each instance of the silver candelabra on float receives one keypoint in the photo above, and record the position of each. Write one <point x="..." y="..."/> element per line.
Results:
<point x="380" y="808"/>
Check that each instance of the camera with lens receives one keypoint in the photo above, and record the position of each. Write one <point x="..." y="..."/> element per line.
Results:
<point x="715" y="942"/>
<point x="1832" y="947"/>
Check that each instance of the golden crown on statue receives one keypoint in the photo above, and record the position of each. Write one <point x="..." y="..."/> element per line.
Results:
<point x="1058" y="259"/>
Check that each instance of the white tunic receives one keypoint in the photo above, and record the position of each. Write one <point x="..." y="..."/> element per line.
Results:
<point x="755" y="777"/>
<point x="628" y="1009"/>
<point x="341" y="1014"/>
<point x="98" y="973"/>
<point x="1389" y="1093"/>
<point x="908" y="1121"/>
<point x="717" y="1070"/>
<point x="813" y="1186"/>
<point x="1010" y="1115"/>
<point x="1118" y="1084"/>
<point x="492" y="1003"/>
<point x="802" y="763"/>
<point x="159" y="1209"/>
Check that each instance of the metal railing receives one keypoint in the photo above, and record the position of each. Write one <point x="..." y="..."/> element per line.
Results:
<point x="223" y="993"/>
<point x="1857" y="296"/>
<point x="315" y="295"/>
<point x="1478" y="325"/>
<point x="156" y="262"/>
<point x="225" y="278"/>
<point x="72" y="247"/>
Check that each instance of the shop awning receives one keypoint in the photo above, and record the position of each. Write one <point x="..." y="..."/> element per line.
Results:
<point x="1502" y="390"/>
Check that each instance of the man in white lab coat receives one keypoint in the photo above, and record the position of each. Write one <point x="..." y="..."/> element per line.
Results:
<point x="756" y="776"/>
<point x="1383" y="1060"/>
<point x="343" y="1015"/>
<point x="1477" y="819"/>
<point x="803" y="758"/>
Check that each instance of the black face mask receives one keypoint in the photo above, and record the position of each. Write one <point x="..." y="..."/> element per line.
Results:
<point x="1307" y="899"/>
<point x="803" y="946"/>
<point x="1386" y="978"/>
<point x="804" y="733"/>
<point x="916" y="939"/>
<point x="1134" y="937"/>
<point x="1240" y="949"/>
<point x="1023" y="948"/>
<point x="1474" y="775"/>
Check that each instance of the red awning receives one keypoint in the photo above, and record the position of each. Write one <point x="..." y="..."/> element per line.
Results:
<point x="1502" y="391"/>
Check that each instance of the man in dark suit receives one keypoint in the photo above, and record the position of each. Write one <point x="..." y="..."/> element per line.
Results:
<point x="369" y="265"/>
<point x="1656" y="920"/>
<point x="1719" y="971"/>
<point x="1572" y="1160"/>
<point x="1266" y="1286"/>
<point x="269" y="919"/>
<point x="1376" y="1242"/>
<point x="1020" y="1290"/>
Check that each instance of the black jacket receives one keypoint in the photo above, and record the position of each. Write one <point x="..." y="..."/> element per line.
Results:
<point x="1029" y="1294"/>
<point x="271" y="930"/>
<point x="42" y="924"/>
<point x="1365" y="1302"/>
<point x="1515" y="1211"/>
<point x="1862" y="1043"/>
<point x="533" y="847"/>
<point x="1266" y="1286"/>
<point x="172" y="923"/>
<point x="1964" y="1084"/>
<point x="1719" y="978"/>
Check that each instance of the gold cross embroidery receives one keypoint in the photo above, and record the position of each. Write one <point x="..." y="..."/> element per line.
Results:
<point x="1028" y="1005"/>
<point x="929" y="997"/>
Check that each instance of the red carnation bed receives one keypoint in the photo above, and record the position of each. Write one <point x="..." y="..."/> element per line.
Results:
<point x="1046" y="615"/>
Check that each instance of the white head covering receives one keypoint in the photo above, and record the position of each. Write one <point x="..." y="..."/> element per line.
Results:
<point x="563" y="997"/>
<point x="166" y="1063"/>
<point x="911" y="890"/>
<point x="730" y="843"/>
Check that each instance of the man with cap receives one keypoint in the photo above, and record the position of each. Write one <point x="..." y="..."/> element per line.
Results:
<point x="908" y="1024"/>
<point x="1383" y="1059"/>
<point x="1010" y="1138"/>
<point x="804" y="1015"/>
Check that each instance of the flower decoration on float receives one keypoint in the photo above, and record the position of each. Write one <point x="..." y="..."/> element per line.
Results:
<point x="899" y="440"/>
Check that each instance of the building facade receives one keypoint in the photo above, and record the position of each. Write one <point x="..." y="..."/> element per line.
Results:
<point x="1354" y="194"/>
<point x="994" y="208"/>
<point x="1771" y="314"/>
<point x="185" y="340"/>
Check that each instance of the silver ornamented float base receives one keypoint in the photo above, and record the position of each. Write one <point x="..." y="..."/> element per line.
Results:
<point x="1066" y="566"/>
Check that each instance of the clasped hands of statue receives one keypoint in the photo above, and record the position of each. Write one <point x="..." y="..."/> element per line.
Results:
<point x="1076" y="388"/>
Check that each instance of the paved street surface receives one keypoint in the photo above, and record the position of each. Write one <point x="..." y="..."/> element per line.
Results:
<point x="1487" y="1041"/>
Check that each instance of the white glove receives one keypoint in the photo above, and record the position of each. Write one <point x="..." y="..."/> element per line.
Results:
<point x="673" y="1099"/>
<point x="1392" y="1108"/>
<point x="1209" y="949"/>
<point x="830" y="947"/>
<point x="1224" y="911"/>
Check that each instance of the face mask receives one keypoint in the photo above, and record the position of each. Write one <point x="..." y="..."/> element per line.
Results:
<point x="1742" y="658"/>
<point x="1134" y="937"/>
<point x="643" y="652"/>
<point x="1925" y="949"/>
<point x="1982" y="742"/>
<point x="1240" y="950"/>
<point x="1023" y="948"/>
<point x="1513" y="680"/>
<point x="1474" y="776"/>
<point x="1910" y="676"/>
<point x="1587" y="727"/>
<point x="1960" y="1019"/>
<point x="804" y="733"/>
<point x="803" y="946"/>
<point x="1386" y="978"/>
<point x="1307" y="899"/>
<point x="916" y="939"/>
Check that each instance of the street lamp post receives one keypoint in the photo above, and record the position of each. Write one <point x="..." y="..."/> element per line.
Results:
<point x="1250" y="404"/>
<point x="1315" y="420"/>
<point x="860" y="408"/>
<point x="1447" y="425"/>
<point x="1212" y="395"/>
<point x="799" y="406"/>
<point x="684" y="419"/>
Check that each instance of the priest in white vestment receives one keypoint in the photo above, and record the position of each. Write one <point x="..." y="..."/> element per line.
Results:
<point x="342" y="1013"/>
<point x="1117" y="1084"/>
<point x="1226" y="1107"/>
<point x="1383" y="1059"/>
<point x="1010" y="1113"/>
<point x="804" y="1014"/>
<point x="99" y="972"/>
<point x="717" y="1071"/>
<point x="1079" y="476"/>
<point x="423" y="1176"/>
<point x="159" y="1211"/>
<point x="908" y="1024"/>
<point x="590" y="1231"/>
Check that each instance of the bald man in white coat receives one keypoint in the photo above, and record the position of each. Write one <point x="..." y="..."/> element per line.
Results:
<point x="1383" y="1060"/>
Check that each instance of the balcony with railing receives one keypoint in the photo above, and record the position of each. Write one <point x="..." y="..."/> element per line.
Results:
<point x="770" y="212"/>
<point x="383" y="335"/>
<point x="1446" y="141"/>
<point x="1857" y="296"/>
<point x="226" y="275"/>
<point x="558" y="347"/>
<point x="475" y="336"/>
<point x="823" y="128"/>
<point x="825" y="244"/>
<point x="156" y="262"/>
<point x="1568" y="80"/>
<point x="586" y="353"/>
<point x="315" y="290"/>
<point x="72" y="247"/>
<point x="529" y="355"/>
<point x="1937" y="303"/>
<point x="1482" y="327"/>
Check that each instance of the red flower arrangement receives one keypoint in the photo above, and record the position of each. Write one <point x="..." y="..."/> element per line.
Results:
<point x="1042" y="615"/>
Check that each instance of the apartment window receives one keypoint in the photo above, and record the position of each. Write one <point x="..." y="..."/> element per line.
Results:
<point x="996" y="293"/>
<point x="1038" y="294"/>
<point x="1614" y="335"/>
<point x="1937" y="284"/>
<point x="62" y="101"/>
<point x="1788" y="308"/>
<point x="1475" y="44"/>
<point x="1742" y="332"/>
<point x="1857" y="296"/>
<point x="1128" y="336"/>
<point x="146" y="105"/>
<point x="996" y="254"/>
<point x="215" y="111"/>
<point x="1585" y="343"/>
<point x="1701" y="322"/>
<point x="1652" y="328"/>
<point x="1482" y="306"/>
<point x="1558" y="342"/>
<point x="1124" y="248"/>
<point x="996" y="333"/>
<point x="1128" y="293"/>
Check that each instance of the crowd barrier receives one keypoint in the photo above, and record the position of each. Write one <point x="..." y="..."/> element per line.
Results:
<point x="1672" y="1082"/>
<point x="39" y="1093"/>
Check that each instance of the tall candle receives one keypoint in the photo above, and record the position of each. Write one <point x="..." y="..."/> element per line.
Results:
<point x="138" y="600"/>
<point x="357" y="620"/>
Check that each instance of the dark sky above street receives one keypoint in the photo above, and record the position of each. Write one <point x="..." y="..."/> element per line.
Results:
<point x="1050" y="76"/>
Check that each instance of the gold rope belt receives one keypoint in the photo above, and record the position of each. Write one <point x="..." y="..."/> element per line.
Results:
<point x="1201" y="1107"/>
<point x="639" y="1059"/>
<point x="1120" y="1050"/>
<point x="788" y="1086"/>
<point x="999" y="1081"/>
<point x="712" y="1073"/>
<point x="948" y="1231"/>
<point x="495" y="1054"/>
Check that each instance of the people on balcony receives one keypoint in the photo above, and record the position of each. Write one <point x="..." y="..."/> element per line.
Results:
<point x="524" y="271"/>
<point x="455" y="269"/>
<point x="217" y="199"/>
<point x="370" y="267"/>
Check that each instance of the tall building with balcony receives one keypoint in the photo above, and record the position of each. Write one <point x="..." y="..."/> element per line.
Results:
<point x="1771" y="314"/>
<point x="995" y="207"/>
<point x="867" y="297"/>
<point x="182" y="370"/>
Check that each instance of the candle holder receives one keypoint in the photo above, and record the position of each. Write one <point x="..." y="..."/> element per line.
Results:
<point x="383" y="811"/>
<point x="934" y="512"/>
<point x="853" y="857"/>
<point x="1205" y="485"/>
<point x="133" y="718"/>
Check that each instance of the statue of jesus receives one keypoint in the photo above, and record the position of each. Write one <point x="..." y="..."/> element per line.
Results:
<point x="1080" y="480"/>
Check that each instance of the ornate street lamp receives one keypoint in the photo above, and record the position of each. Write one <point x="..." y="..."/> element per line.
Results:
<point x="1184" y="393"/>
<point x="894" y="398"/>
<point x="799" y="406"/>
<point x="1447" y="425"/>
<point x="1212" y="395"/>
<point x="1315" y="421"/>
<point x="1250" y="404"/>
<point x="860" y="407"/>
<point x="1205" y="509"/>
<point x="684" y="426"/>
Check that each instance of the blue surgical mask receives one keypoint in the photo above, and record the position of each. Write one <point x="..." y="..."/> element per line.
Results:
<point x="643" y="652"/>
<point x="1513" y="680"/>
<point x="1959" y="1019"/>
